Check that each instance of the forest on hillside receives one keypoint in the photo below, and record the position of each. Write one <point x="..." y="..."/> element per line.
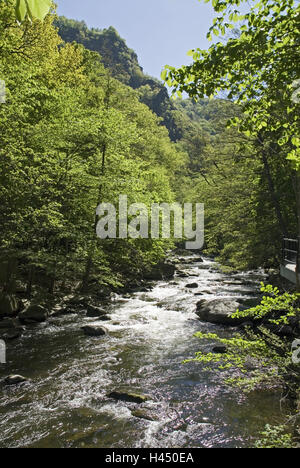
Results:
<point x="81" y="124"/>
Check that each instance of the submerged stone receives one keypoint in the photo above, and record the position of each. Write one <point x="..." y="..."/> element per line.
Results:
<point x="90" y="330"/>
<point x="143" y="414"/>
<point x="128" y="396"/>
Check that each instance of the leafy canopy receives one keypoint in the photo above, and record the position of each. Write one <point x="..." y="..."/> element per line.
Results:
<point x="258" y="67"/>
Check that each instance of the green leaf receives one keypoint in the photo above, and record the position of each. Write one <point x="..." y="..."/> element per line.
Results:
<point x="21" y="10"/>
<point x="39" y="8"/>
<point x="34" y="8"/>
<point x="164" y="75"/>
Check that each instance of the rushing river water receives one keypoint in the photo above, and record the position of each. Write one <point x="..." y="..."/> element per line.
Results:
<point x="150" y="334"/>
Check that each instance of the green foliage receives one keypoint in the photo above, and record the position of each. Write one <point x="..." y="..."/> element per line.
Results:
<point x="272" y="304"/>
<point x="257" y="68"/>
<point x="123" y="65"/>
<point x="71" y="137"/>
<point x="275" y="437"/>
<point x="257" y="357"/>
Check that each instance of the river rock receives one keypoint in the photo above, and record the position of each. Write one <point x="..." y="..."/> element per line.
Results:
<point x="198" y="260"/>
<point x="93" y="311"/>
<point x="219" y="349"/>
<point x="15" y="380"/>
<point x="12" y="335"/>
<point x="33" y="314"/>
<point x="63" y="311"/>
<point x="218" y="311"/>
<point x="104" y="318"/>
<point x="162" y="271"/>
<point x="90" y="330"/>
<point x="192" y="286"/>
<point x="143" y="414"/>
<point x="7" y="324"/>
<point x="182" y="274"/>
<point x="128" y="397"/>
<point x="78" y="301"/>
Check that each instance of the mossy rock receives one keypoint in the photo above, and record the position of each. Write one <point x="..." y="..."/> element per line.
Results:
<point x="129" y="397"/>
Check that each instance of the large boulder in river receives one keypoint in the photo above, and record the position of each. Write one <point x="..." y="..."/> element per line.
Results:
<point x="90" y="330"/>
<point x="192" y="286"/>
<point x="15" y="380"/>
<point x="219" y="311"/>
<point x="33" y="314"/>
<point x="161" y="271"/>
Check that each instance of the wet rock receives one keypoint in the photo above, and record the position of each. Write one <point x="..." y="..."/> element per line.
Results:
<point x="94" y="331"/>
<point x="218" y="311"/>
<point x="162" y="271"/>
<point x="13" y="335"/>
<point x="182" y="274"/>
<point x="219" y="349"/>
<point x="15" y="380"/>
<point x="64" y="311"/>
<point x="192" y="286"/>
<point x="7" y="324"/>
<point x="34" y="314"/>
<point x="198" y="260"/>
<point x="93" y="311"/>
<point x="104" y="318"/>
<point x="143" y="414"/>
<point x="202" y="267"/>
<point x="128" y="397"/>
<point x="78" y="301"/>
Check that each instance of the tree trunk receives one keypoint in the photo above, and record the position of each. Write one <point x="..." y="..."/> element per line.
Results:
<point x="89" y="262"/>
<point x="86" y="276"/>
<point x="30" y="281"/>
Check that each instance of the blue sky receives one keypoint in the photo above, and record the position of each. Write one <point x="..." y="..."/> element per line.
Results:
<point x="160" y="31"/>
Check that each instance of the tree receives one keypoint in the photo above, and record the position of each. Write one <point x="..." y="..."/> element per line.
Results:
<point x="258" y="68"/>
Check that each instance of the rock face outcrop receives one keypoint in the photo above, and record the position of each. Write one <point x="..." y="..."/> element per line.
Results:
<point x="219" y="311"/>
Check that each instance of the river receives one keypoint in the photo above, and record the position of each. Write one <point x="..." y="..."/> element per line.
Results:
<point x="150" y="334"/>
